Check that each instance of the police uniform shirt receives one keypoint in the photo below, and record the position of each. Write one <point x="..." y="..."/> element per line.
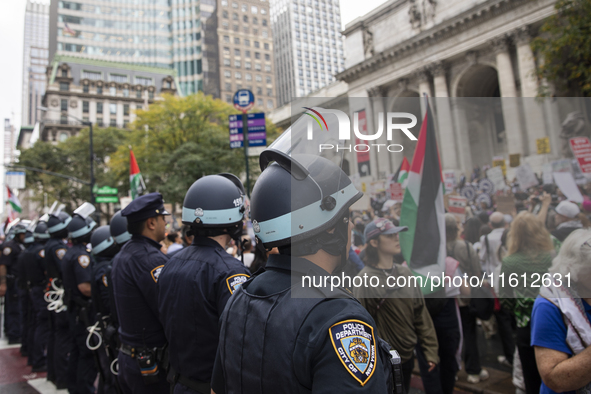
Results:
<point x="333" y="348"/>
<point x="194" y="287"/>
<point x="25" y="260"/>
<point x="10" y="252"/>
<point x="101" y="283"/>
<point x="35" y="266"/>
<point x="135" y="273"/>
<point x="55" y="250"/>
<point x="76" y="269"/>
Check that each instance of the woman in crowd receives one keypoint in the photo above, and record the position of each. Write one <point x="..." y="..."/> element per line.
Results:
<point x="529" y="254"/>
<point x="561" y="328"/>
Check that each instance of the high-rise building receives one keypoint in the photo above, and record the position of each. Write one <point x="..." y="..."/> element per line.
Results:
<point x="245" y="46"/>
<point x="36" y="37"/>
<point x="9" y="142"/>
<point x="308" y="46"/>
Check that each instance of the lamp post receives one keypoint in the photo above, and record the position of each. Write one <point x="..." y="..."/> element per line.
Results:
<point x="84" y="123"/>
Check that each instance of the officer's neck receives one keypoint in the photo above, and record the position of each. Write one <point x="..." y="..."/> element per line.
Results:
<point x="223" y="240"/>
<point x="324" y="260"/>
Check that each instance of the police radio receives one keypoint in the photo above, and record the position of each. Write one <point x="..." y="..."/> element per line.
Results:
<point x="396" y="371"/>
<point x="148" y="363"/>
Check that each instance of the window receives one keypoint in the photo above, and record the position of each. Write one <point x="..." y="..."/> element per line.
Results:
<point x="64" y="105"/>
<point x="259" y="102"/>
<point x="238" y="75"/>
<point x="113" y="109"/>
<point x="257" y="44"/>
<point x="267" y="68"/>
<point x="138" y="93"/>
<point x="247" y="43"/>
<point x="247" y="65"/>
<point x="266" y="45"/>
<point x="151" y="94"/>
<point x="64" y="86"/>
<point x="63" y="119"/>
<point x="126" y="92"/>
<point x="269" y="92"/>
<point x="234" y="5"/>
<point x="85" y="106"/>
<point x="226" y="38"/>
<point x="226" y="51"/>
<point x="234" y="16"/>
<point x="118" y="78"/>
<point x="259" y="78"/>
<point x="255" y="20"/>
<point x="228" y="98"/>
<point x="65" y="73"/>
<point x="224" y="3"/>
<point x="236" y="40"/>
<point x="143" y="81"/>
<point x="225" y="14"/>
<point x="92" y="75"/>
<point x="246" y="53"/>
<point x="113" y="122"/>
<point x="99" y="122"/>
<point x="265" y="35"/>
<point x="237" y="63"/>
<point x="99" y="90"/>
<point x="268" y="79"/>
<point x="244" y="8"/>
<point x="227" y="74"/>
<point x="245" y="19"/>
<point x="267" y="57"/>
<point x="257" y="66"/>
<point x="226" y="62"/>
<point x="254" y="9"/>
<point x="99" y="108"/>
<point x="257" y="55"/>
<point x="236" y="52"/>
<point x="259" y="90"/>
<point x="264" y="22"/>
<point x="125" y="109"/>
<point x="85" y="88"/>
<point x="113" y="91"/>
<point x="270" y="104"/>
<point x="63" y="135"/>
<point x="263" y="11"/>
<point x="227" y="86"/>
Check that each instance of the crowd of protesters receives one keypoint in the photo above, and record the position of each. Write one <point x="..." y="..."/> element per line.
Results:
<point x="545" y="331"/>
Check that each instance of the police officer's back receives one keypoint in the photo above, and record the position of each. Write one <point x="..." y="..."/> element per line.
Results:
<point x="197" y="282"/>
<point x="135" y="273"/>
<point x="279" y="336"/>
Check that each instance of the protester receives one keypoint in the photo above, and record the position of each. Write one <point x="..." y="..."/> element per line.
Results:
<point x="567" y="220"/>
<point x="561" y="329"/>
<point x="175" y="242"/>
<point x="400" y="313"/>
<point x="529" y="253"/>
<point x="247" y="254"/>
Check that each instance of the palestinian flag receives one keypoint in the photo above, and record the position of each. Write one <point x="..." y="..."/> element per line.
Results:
<point x="13" y="200"/>
<point x="136" y="183"/>
<point x="423" y="245"/>
<point x="402" y="174"/>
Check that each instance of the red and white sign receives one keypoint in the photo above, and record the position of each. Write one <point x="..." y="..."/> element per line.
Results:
<point x="396" y="192"/>
<point x="457" y="205"/>
<point x="581" y="148"/>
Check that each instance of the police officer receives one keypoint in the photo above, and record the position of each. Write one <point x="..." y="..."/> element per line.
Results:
<point x="104" y="248"/>
<point x="77" y="276"/>
<point x="24" y="296"/>
<point x="278" y="334"/>
<point x="135" y="273"/>
<point x="58" y="343"/>
<point x="195" y="285"/>
<point x="118" y="229"/>
<point x="8" y="284"/>
<point x="35" y="273"/>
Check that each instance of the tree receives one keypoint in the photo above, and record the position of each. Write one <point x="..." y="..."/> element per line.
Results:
<point x="180" y="139"/>
<point x="71" y="158"/>
<point x="565" y="47"/>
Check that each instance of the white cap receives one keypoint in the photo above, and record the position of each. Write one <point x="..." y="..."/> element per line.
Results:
<point x="568" y="209"/>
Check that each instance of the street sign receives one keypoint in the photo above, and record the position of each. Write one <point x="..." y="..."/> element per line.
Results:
<point x="257" y="130"/>
<point x="581" y="148"/>
<point x="113" y="199"/>
<point x="543" y="145"/>
<point x="15" y="179"/>
<point x="243" y="100"/>
<point x="107" y="190"/>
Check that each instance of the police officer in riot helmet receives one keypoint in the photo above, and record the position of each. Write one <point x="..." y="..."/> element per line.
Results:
<point x="58" y="342"/>
<point x="104" y="249"/>
<point x="118" y="229"/>
<point x="300" y="338"/>
<point x="77" y="278"/>
<point x="195" y="284"/>
<point x="24" y="288"/>
<point x="35" y="272"/>
<point x="8" y="283"/>
<point x="134" y="275"/>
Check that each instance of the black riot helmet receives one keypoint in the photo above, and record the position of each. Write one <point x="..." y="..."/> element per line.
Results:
<point x="40" y="233"/>
<point x="29" y="239"/>
<point x="302" y="193"/>
<point x="214" y="205"/>
<point x="19" y="229"/>
<point x="103" y="243"/>
<point x="81" y="224"/>
<point x="57" y="223"/>
<point x="118" y="228"/>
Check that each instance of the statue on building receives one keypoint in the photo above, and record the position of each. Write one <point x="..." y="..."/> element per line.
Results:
<point x="368" y="43"/>
<point x="429" y="10"/>
<point x="573" y="126"/>
<point x="414" y="14"/>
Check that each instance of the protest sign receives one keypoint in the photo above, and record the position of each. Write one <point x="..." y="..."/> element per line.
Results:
<point x="525" y="176"/>
<point x="495" y="175"/>
<point x="567" y="185"/>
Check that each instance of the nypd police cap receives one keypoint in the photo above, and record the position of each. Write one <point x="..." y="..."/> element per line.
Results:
<point x="144" y="207"/>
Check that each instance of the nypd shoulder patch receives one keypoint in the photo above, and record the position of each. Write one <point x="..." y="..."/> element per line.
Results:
<point x="84" y="261"/>
<point x="6" y="251"/>
<point x="42" y="253"/>
<point x="105" y="282"/>
<point x="60" y="253"/>
<point x="355" y="345"/>
<point x="156" y="273"/>
<point x="235" y="281"/>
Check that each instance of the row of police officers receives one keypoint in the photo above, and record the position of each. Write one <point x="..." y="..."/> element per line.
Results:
<point x="200" y="322"/>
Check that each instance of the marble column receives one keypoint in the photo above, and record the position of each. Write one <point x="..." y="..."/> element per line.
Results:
<point x="374" y="111"/>
<point x="533" y="110"/>
<point x="448" y="148"/>
<point x="508" y="90"/>
<point x="424" y="79"/>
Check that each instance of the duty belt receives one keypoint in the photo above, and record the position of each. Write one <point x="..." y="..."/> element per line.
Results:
<point x="195" y="385"/>
<point x="131" y="351"/>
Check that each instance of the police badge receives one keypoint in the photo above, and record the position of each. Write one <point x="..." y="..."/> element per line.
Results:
<point x="60" y="253"/>
<point x="235" y="281"/>
<point x="354" y="343"/>
<point x="198" y="212"/>
<point x="256" y="226"/>
<point x="6" y="251"/>
<point x="156" y="272"/>
<point x="83" y="260"/>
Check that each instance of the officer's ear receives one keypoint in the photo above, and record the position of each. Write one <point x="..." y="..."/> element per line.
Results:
<point x="151" y="223"/>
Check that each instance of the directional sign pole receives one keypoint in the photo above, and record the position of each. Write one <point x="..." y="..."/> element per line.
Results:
<point x="245" y="136"/>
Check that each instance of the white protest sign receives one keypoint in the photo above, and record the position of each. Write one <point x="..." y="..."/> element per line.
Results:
<point x="525" y="177"/>
<point x="567" y="185"/>
<point x="495" y="174"/>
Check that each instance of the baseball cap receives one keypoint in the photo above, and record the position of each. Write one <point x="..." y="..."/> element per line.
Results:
<point x="568" y="209"/>
<point x="381" y="226"/>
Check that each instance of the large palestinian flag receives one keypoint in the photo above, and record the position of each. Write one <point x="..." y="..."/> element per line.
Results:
<point x="423" y="245"/>
<point x="136" y="183"/>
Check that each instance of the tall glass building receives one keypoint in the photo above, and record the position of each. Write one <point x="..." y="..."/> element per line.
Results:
<point x="308" y="46"/>
<point x="158" y="33"/>
<point x="34" y="60"/>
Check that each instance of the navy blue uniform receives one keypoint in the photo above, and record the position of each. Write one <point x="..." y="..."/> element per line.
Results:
<point x="58" y="343"/>
<point x="275" y="340"/>
<point x="34" y="269"/>
<point x="135" y="272"/>
<point x="194" y="287"/>
<point x="76" y="269"/>
<point x="12" y="312"/>
<point x="26" y="307"/>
